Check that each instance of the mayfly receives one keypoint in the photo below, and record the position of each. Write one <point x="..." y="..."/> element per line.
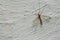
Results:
<point x="40" y="19"/>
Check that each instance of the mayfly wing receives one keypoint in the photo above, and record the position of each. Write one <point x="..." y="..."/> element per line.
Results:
<point x="45" y="18"/>
<point x="36" y="22"/>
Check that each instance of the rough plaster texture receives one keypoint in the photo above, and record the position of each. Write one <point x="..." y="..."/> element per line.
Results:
<point x="17" y="20"/>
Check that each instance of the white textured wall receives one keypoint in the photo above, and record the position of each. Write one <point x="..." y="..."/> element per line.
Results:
<point x="16" y="20"/>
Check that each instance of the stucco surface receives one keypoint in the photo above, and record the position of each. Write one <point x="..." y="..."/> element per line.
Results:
<point x="18" y="20"/>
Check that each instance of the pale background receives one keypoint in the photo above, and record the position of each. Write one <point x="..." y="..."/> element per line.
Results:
<point x="16" y="19"/>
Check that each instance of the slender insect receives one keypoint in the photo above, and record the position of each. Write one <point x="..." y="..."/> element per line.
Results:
<point x="39" y="17"/>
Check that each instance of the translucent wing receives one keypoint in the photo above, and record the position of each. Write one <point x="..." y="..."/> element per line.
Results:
<point x="36" y="22"/>
<point x="45" y="18"/>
